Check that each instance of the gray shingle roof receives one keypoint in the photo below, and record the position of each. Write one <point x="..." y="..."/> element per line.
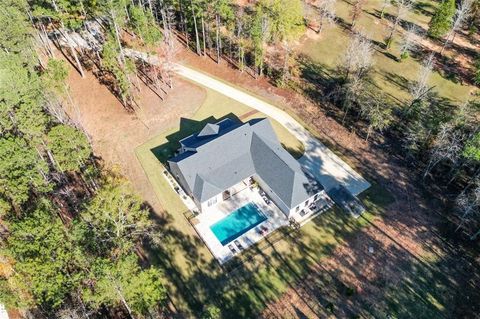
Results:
<point x="240" y="151"/>
<point x="210" y="132"/>
<point x="209" y="129"/>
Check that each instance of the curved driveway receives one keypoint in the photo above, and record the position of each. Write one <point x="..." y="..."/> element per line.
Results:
<point x="320" y="161"/>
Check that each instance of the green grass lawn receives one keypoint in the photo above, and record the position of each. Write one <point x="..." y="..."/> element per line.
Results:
<point x="390" y="76"/>
<point x="262" y="273"/>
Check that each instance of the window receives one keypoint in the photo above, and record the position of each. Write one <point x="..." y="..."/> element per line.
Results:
<point x="212" y="201"/>
<point x="297" y="209"/>
<point x="315" y="197"/>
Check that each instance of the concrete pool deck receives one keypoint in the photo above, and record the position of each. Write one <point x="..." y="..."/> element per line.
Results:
<point x="202" y="223"/>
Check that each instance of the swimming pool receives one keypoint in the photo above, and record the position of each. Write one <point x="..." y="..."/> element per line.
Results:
<point x="237" y="223"/>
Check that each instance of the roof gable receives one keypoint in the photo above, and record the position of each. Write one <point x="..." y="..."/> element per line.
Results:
<point x="209" y="129"/>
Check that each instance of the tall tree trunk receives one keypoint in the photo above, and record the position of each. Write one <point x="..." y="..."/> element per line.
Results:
<point x="217" y="20"/>
<point x="117" y="34"/>
<point x="197" y="38"/>
<point x="68" y="39"/>
<point x="204" y="38"/>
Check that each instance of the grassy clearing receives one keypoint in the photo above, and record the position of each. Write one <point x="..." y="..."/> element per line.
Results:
<point x="389" y="75"/>
<point x="194" y="278"/>
<point x="266" y="271"/>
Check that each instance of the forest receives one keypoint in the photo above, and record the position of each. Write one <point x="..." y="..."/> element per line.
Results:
<point x="73" y="231"/>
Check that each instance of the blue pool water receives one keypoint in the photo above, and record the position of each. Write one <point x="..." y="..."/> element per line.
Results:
<point x="237" y="223"/>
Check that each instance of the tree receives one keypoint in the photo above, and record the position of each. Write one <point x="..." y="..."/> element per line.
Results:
<point x="356" y="11"/>
<point x="408" y="44"/>
<point x="326" y="10"/>
<point x="378" y="115"/>
<point x="468" y="204"/>
<point x="442" y="19"/>
<point x="211" y="312"/>
<point x="123" y="282"/>
<point x="21" y="98"/>
<point x="224" y="15"/>
<point x="22" y="171"/>
<point x="114" y="61"/>
<point x="476" y="77"/>
<point x="116" y="218"/>
<point x="354" y="69"/>
<point x="44" y="255"/>
<point x="461" y="15"/>
<point x="471" y="150"/>
<point x="144" y="25"/>
<point x="259" y="32"/>
<point x="403" y="8"/>
<point x="15" y="32"/>
<point x="357" y="60"/>
<point x="285" y="18"/>
<point x="447" y="146"/>
<point x="55" y="75"/>
<point x="419" y="88"/>
<point x="69" y="146"/>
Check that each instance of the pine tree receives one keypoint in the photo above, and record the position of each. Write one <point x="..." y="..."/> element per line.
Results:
<point x="442" y="19"/>
<point x="22" y="171"/>
<point x="123" y="282"/>
<point x="69" y="146"/>
<point x="44" y="255"/>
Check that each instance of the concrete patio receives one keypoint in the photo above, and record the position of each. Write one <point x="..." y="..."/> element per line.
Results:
<point x="202" y="223"/>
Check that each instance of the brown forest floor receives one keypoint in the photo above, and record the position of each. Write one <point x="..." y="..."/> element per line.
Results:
<point x="115" y="133"/>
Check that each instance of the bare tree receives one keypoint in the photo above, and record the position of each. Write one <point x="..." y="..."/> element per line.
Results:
<point x="386" y="4"/>
<point x="358" y="58"/>
<point x="468" y="204"/>
<point x="407" y="45"/>
<point x="461" y="15"/>
<point x="377" y="113"/>
<point x="447" y="146"/>
<point x="403" y="8"/>
<point x="354" y="67"/>
<point x="356" y="11"/>
<point x="420" y="88"/>
<point x="327" y="13"/>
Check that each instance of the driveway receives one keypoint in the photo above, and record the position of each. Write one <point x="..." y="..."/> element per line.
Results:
<point x="320" y="161"/>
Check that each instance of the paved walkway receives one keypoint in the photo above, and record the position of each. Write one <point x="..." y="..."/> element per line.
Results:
<point x="327" y="167"/>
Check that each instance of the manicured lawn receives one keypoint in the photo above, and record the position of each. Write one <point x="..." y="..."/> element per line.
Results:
<point x="265" y="271"/>
<point x="390" y="76"/>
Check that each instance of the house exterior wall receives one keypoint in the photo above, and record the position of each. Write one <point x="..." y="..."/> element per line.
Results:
<point x="320" y="195"/>
<point x="214" y="200"/>
<point x="177" y="174"/>
<point x="280" y="204"/>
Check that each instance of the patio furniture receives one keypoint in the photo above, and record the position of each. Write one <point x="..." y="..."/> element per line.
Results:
<point x="232" y="249"/>
<point x="266" y="200"/>
<point x="239" y="245"/>
<point x="265" y="229"/>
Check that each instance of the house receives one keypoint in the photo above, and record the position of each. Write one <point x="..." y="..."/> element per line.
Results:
<point x="230" y="155"/>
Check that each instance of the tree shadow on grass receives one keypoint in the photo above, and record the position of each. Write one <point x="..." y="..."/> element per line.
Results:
<point x="423" y="8"/>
